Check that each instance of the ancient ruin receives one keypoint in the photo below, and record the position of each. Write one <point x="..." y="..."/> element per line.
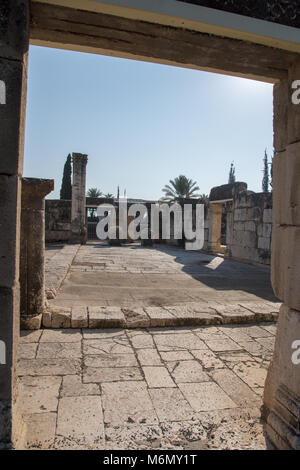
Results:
<point x="264" y="46"/>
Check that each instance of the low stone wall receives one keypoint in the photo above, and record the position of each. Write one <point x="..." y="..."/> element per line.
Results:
<point x="249" y="227"/>
<point x="58" y="220"/>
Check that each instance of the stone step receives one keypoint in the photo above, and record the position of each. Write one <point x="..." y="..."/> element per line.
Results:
<point x="189" y="314"/>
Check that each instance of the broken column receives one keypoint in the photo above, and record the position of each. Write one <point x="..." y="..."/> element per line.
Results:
<point x="32" y="253"/>
<point x="282" y="389"/>
<point x="78" y="217"/>
<point x="14" y="19"/>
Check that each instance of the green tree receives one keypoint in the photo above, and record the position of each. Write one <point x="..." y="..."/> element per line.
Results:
<point x="266" y="174"/>
<point x="231" y="178"/>
<point x="66" y="185"/>
<point x="109" y="195"/>
<point x="94" y="192"/>
<point x="180" y="188"/>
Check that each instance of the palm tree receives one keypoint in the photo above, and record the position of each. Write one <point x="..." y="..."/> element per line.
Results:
<point x="180" y="188"/>
<point x="109" y="195"/>
<point x="203" y="198"/>
<point x="94" y="192"/>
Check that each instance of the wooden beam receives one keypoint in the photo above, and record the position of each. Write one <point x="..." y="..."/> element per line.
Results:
<point x="69" y="28"/>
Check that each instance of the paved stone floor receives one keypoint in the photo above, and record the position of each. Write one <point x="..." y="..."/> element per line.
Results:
<point x="190" y="387"/>
<point x="97" y="285"/>
<point x="135" y="276"/>
<point x="183" y="388"/>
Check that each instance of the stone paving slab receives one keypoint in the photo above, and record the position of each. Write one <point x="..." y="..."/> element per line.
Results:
<point x="157" y="388"/>
<point x="73" y="415"/>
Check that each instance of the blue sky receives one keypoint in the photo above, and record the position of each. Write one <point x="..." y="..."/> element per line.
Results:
<point x="142" y="124"/>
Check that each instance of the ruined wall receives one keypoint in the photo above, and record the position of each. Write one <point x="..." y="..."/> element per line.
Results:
<point x="57" y="220"/>
<point x="249" y="227"/>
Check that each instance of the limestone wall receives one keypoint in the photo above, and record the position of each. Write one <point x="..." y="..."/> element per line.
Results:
<point x="57" y="220"/>
<point x="249" y="227"/>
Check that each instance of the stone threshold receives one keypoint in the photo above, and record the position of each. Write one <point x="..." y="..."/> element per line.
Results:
<point x="190" y="314"/>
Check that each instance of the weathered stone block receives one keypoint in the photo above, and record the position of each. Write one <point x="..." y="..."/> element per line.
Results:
<point x="288" y="336"/>
<point x="245" y="239"/>
<point x="260" y="230"/>
<point x="12" y="116"/>
<point x="286" y="192"/>
<point x="281" y="97"/>
<point x="14" y="26"/>
<point x="226" y="191"/>
<point x="294" y="109"/>
<point x="285" y="265"/>
<point x="9" y="334"/>
<point x="240" y="226"/>
<point x="31" y="322"/>
<point x="79" y="317"/>
<point x="250" y="226"/>
<point x="40" y="430"/>
<point x="238" y="391"/>
<point x="106" y="317"/>
<point x="234" y="314"/>
<point x="10" y="192"/>
<point x="267" y="230"/>
<point x="61" y="318"/>
<point x="136" y="318"/>
<point x="56" y="366"/>
<point x="47" y="319"/>
<point x="264" y="243"/>
<point x="5" y="423"/>
<point x="157" y="377"/>
<point x="246" y="253"/>
<point x="159" y="316"/>
<point x="40" y="394"/>
<point x="282" y="390"/>
<point x="267" y="216"/>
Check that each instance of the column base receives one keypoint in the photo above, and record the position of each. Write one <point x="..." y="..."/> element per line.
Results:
<point x="31" y="322"/>
<point x="78" y="238"/>
<point x="283" y="425"/>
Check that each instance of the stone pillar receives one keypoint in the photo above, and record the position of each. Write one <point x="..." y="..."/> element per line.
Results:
<point x="282" y="389"/>
<point x="78" y="217"/>
<point x="32" y="254"/>
<point x="13" y="78"/>
<point x="215" y="226"/>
